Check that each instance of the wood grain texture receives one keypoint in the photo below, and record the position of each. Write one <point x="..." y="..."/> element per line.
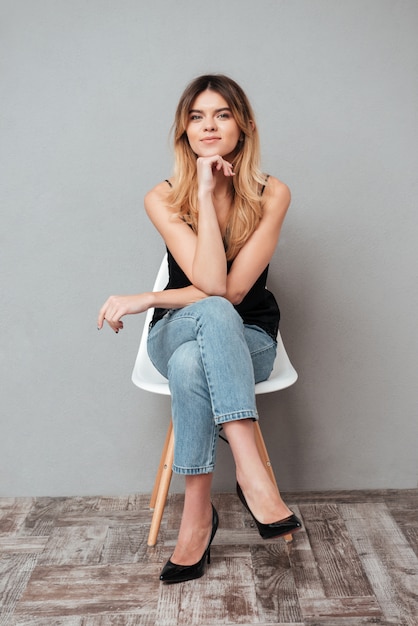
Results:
<point x="276" y="591"/>
<point x="338" y="563"/>
<point x="387" y="559"/>
<point x="85" y="562"/>
<point x="73" y="590"/>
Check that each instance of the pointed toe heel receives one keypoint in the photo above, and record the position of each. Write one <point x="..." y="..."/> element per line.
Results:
<point x="173" y="573"/>
<point x="283" y="527"/>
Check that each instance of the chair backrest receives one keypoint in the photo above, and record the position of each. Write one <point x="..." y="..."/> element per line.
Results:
<point x="146" y="377"/>
<point x="144" y="374"/>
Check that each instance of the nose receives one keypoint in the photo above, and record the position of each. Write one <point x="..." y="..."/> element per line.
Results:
<point x="210" y="124"/>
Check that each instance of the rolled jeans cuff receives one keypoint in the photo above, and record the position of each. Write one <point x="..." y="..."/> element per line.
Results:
<point x="236" y="415"/>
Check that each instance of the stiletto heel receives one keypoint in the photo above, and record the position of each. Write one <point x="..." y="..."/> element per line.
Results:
<point x="286" y="526"/>
<point x="173" y="573"/>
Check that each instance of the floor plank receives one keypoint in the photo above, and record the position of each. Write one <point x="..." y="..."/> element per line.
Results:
<point x="305" y="568"/>
<point x="405" y="516"/>
<point x="13" y="514"/>
<point x="15" y="573"/>
<point x="25" y="545"/>
<point x="276" y="591"/>
<point x="74" y="545"/>
<point x="74" y="590"/>
<point x="339" y="565"/>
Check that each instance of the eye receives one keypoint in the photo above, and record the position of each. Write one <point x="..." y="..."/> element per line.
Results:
<point x="194" y="117"/>
<point x="224" y="116"/>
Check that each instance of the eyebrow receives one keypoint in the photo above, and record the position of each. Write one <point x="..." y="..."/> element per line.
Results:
<point x="216" y="110"/>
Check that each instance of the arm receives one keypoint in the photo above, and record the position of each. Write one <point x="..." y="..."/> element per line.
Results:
<point x="202" y="256"/>
<point x="209" y="268"/>
<point x="183" y="244"/>
<point x="257" y="252"/>
<point x="116" y="307"/>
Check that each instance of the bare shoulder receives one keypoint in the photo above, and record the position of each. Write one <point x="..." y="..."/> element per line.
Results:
<point x="277" y="189"/>
<point x="156" y="198"/>
<point x="276" y="196"/>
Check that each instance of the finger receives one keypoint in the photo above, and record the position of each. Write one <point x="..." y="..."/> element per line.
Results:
<point x="118" y="327"/>
<point x="228" y="169"/>
<point x="114" y="310"/>
<point x="111" y="315"/>
<point x="106" y="312"/>
<point x="101" y="318"/>
<point x="115" y="326"/>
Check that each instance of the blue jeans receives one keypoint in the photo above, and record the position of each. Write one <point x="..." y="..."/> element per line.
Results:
<point x="212" y="361"/>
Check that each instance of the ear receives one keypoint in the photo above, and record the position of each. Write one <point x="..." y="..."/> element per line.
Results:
<point x="252" y="124"/>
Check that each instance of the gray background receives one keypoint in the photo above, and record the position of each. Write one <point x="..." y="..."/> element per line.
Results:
<point x="88" y="92"/>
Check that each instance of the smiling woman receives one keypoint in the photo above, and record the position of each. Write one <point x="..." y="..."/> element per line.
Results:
<point x="219" y="92"/>
<point x="212" y="129"/>
<point x="213" y="332"/>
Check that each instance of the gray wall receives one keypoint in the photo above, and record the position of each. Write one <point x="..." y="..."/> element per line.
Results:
<point x="88" y="96"/>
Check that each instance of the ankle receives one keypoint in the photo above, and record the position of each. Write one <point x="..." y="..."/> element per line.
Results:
<point x="264" y="500"/>
<point x="192" y="540"/>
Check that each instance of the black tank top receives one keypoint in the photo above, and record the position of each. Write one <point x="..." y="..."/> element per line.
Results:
<point x="259" y="306"/>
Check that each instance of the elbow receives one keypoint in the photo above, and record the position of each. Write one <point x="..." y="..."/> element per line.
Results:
<point x="218" y="290"/>
<point x="235" y="297"/>
<point x="212" y="288"/>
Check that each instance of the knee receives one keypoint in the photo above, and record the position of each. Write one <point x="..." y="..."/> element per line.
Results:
<point x="219" y="308"/>
<point x="184" y="364"/>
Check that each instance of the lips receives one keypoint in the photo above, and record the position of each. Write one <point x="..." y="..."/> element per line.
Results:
<point x="210" y="139"/>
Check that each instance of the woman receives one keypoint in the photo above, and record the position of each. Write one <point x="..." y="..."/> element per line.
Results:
<point x="214" y="329"/>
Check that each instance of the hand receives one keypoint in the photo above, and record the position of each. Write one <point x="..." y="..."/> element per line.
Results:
<point x="206" y="169"/>
<point x="116" y="307"/>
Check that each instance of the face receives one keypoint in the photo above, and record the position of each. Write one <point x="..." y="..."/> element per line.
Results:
<point x="212" y="128"/>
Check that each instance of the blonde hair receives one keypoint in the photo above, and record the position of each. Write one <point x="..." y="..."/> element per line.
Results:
<point x="246" y="204"/>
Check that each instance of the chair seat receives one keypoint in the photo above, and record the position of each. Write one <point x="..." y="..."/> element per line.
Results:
<point x="147" y="377"/>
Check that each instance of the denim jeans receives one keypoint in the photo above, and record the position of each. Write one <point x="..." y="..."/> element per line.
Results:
<point x="212" y="361"/>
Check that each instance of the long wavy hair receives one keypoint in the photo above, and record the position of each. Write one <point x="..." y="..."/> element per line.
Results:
<point x="246" y="202"/>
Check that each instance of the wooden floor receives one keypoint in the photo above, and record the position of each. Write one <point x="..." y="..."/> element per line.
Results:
<point x="85" y="562"/>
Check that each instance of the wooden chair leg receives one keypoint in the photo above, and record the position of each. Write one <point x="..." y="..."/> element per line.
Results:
<point x="160" y="467"/>
<point x="161" y="487"/>
<point x="262" y="450"/>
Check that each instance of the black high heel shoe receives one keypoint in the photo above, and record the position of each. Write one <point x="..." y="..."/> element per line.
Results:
<point x="286" y="526"/>
<point x="173" y="573"/>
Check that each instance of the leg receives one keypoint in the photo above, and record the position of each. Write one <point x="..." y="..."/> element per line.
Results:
<point x="195" y="432"/>
<point x="262" y="450"/>
<point x="219" y="333"/>
<point x="261" y="493"/>
<point x="197" y="436"/>
<point x="196" y="522"/>
<point x="253" y="474"/>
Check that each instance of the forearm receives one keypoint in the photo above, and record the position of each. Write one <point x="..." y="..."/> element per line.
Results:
<point x="175" y="298"/>
<point x="209" y="264"/>
<point x="116" y="307"/>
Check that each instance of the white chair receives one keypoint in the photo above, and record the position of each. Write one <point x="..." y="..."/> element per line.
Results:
<point x="146" y="377"/>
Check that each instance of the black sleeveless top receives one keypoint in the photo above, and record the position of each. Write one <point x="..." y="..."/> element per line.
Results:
<point x="259" y="306"/>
